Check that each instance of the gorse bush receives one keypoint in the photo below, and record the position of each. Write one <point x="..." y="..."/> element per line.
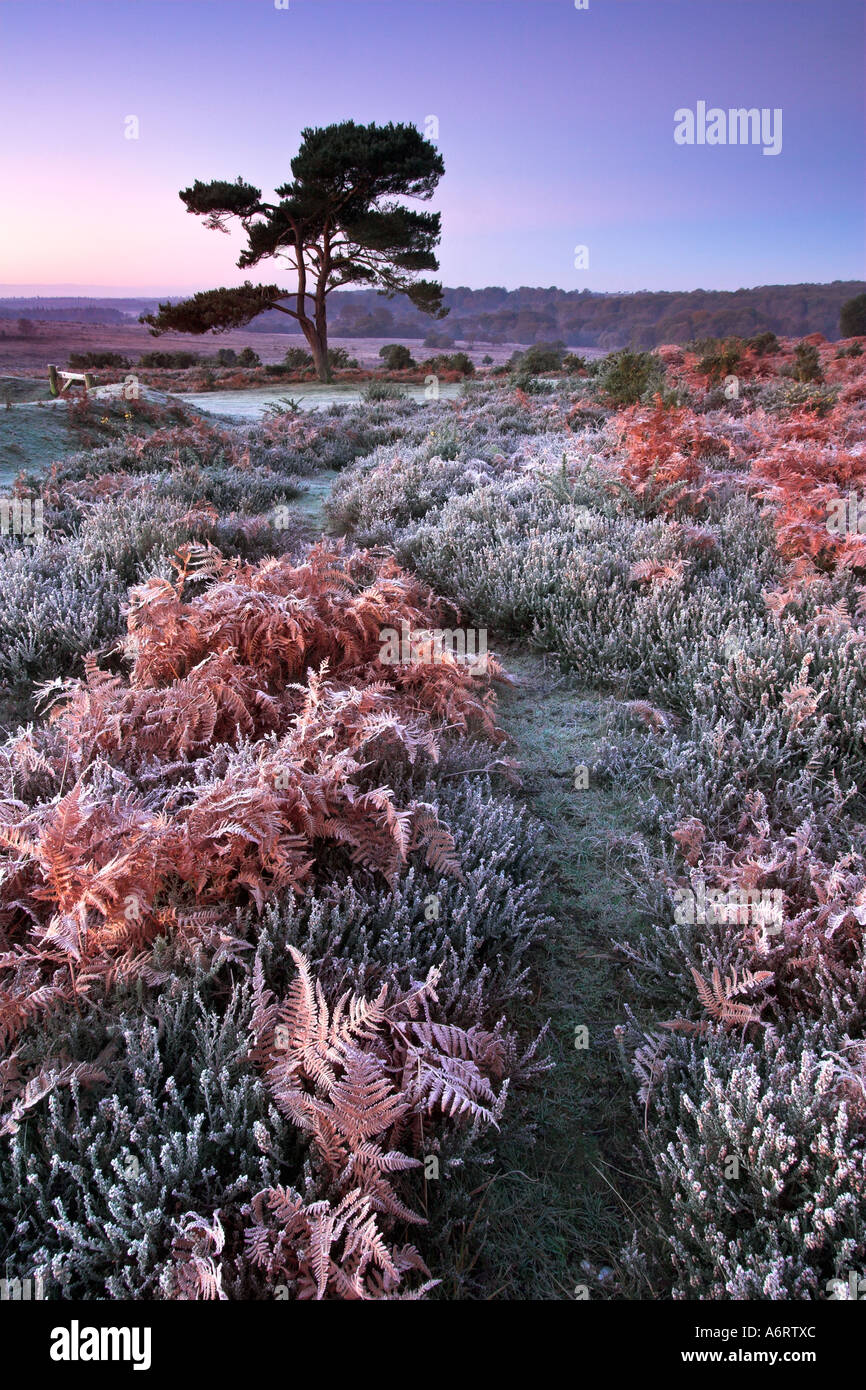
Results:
<point x="625" y="377"/>
<point x="574" y="363"/>
<point x="763" y="343"/>
<point x="806" y="365"/>
<point x="720" y="360"/>
<point x="339" y="358"/>
<point x="450" y="362"/>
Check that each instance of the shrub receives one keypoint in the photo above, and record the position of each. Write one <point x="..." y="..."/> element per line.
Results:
<point x="298" y="360"/>
<point x="541" y="357"/>
<point x="451" y="362"/>
<point x="763" y="344"/>
<point x="574" y="364"/>
<point x="439" y="338"/>
<point x="396" y="357"/>
<point x="720" y="360"/>
<point x="82" y="360"/>
<point x="338" y="358"/>
<point x="806" y="365"/>
<point x="626" y="378"/>
<point x="249" y="358"/>
<point x="531" y="386"/>
<point x="382" y="391"/>
<point x="806" y="395"/>
<point x="170" y="360"/>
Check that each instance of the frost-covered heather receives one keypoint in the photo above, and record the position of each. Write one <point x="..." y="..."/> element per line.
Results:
<point x="92" y="1186"/>
<point x="147" y="1108"/>
<point x="64" y="596"/>
<point x="396" y="486"/>
<point x="112" y="516"/>
<point x="478" y="930"/>
<point x="760" y="1160"/>
<point x="673" y="553"/>
<point x="680" y="558"/>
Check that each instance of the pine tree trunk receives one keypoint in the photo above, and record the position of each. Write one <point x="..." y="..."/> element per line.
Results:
<point x="318" y="344"/>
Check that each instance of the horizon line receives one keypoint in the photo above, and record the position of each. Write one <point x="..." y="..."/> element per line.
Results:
<point x="84" y="291"/>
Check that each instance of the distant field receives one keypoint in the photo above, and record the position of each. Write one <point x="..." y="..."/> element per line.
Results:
<point x="55" y="341"/>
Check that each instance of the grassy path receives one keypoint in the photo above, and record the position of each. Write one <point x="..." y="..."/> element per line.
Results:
<point x="564" y="1190"/>
<point x="573" y="1195"/>
<point x="317" y="489"/>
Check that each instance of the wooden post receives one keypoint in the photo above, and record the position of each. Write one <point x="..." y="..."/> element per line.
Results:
<point x="60" y="381"/>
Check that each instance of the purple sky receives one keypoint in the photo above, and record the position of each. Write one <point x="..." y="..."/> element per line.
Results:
<point x="555" y="124"/>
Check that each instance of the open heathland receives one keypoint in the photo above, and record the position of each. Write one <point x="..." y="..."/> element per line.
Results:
<point x="532" y="969"/>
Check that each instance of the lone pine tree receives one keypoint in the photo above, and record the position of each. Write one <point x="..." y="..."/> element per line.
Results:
<point x="337" y="222"/>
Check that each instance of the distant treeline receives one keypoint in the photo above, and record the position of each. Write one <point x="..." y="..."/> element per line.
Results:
<point x="91" y="313"/>
<point x="581" y="318"/>
<point x="578" y="318"/>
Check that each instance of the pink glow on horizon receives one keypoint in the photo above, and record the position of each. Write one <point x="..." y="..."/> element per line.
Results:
<point x="556" y="130"/>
